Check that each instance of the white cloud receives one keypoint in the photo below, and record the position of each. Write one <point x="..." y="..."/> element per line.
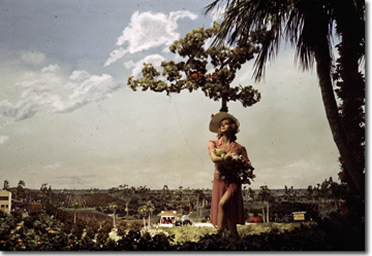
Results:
<point x="50" y="68"/>
<point x="33" y="96"/>
<point x="79" y="75"/>
<point x="3" y="139"/>
<point x="154" y="59"/>
<point x="92" y="89"/>
<point x="148" y="30"/>
<point x="115" y="55"/>
<point x="32" y="57"/>
<point x="51" y="90"/>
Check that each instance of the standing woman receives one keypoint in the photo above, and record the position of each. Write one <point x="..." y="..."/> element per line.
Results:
<point x="227" y="201"/>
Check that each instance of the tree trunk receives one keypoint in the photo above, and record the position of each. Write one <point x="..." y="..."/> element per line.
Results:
<point x="224" y="105"/>
<point x="127" y="209"/>
<point x="197" y="206"/>
<point x="353" y="85"/>
<point x="267" y="213"/>
<point x="263" y="214"/>
<point x="149" y="224"/>
<point x="114" y="219"/>
<point x="323" y="64"/>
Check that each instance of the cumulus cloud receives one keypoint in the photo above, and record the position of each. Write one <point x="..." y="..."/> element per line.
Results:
<point x="147" y="30"/>
<point x="51" y="68"/>
<point x="44" y="91"/>
<point x="154" y="59"/>
<point x="92" y="89"/>
<point x="33" y="96"/>
<point x="115" y="55"/>
<point x="31" y="57"/>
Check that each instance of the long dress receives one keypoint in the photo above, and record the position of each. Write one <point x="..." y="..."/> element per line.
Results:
<point x="235" y="208"/>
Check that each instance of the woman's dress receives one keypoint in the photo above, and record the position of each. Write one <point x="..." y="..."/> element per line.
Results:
<point x="235" y="208"/>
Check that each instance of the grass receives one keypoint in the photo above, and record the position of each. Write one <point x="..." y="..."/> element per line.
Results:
<point x="184" y="234"/>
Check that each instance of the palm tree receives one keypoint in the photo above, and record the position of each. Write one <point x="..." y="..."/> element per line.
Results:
<point x="6" y="185"/>
<point x="113" y="206"/>
<point x="265" y="196"/>
<point x="146" y="210"/>
<point x="200" y="201"/>
<point x="73" y="201"/>
<point x="251" y="193"/>
<point x="309" y="26"/>
<point x="75" y="205"/>
<point x="142" y="210"/>
<point x="150" y="210"/>
<point x="126" y="194"/>
<point x="21" y="190"/>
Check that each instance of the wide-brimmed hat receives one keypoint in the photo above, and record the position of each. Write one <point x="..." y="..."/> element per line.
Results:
<point x="217" y="118"/>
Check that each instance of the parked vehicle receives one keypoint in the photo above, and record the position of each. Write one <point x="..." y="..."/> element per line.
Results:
<point x="255" y="219"/>
<point x="187" y="222"/>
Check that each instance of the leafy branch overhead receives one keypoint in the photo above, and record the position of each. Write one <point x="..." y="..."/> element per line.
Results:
<point x="211" y="69"/>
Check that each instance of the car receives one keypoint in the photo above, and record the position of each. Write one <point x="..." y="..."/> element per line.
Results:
<point x="255" y="219"/>
<point x="285" y="219"/>
<point x="187" y="222"/>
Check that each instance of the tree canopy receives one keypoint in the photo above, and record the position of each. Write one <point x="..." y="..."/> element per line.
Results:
<point x="212" y="69"/>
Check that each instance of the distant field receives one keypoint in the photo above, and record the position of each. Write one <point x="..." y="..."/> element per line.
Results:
<point x="191" y="233"/>
<point x="87" y="213"/>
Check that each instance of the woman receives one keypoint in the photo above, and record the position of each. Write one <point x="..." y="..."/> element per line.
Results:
<point x="227" y="201"/>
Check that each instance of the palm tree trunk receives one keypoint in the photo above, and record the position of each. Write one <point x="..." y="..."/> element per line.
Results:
<point x="323" y="65"/>
<point x="127" y="209"/>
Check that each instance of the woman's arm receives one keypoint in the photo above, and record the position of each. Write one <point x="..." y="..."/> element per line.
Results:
<point x="211" y="147"/>
<point x="216" y="159"/>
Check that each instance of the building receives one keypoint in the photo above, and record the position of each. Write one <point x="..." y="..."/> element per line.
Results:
<point x="5" y="201"/>
<point x="299" y="216"/>
<point x="34" y="208"/>
<point x="167" y="218"/>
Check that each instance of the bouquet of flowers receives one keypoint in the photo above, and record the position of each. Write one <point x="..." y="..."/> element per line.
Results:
<point x="235" y="169"/>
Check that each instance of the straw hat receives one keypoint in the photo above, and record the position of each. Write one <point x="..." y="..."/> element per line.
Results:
<point x="217" y="118"/>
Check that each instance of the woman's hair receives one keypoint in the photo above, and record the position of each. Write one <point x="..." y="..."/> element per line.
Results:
<point x="234" y="127"/>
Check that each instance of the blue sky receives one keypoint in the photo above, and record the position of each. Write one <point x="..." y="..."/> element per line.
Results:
<point x="67" y="117"/>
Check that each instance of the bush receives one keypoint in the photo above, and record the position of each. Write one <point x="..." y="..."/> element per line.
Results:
<point x="45" y="233"/>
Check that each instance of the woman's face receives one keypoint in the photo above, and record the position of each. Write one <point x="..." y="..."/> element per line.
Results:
<point x="225" y="125"/>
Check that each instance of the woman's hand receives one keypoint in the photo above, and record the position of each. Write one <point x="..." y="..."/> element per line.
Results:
<point x="216" y="159"/>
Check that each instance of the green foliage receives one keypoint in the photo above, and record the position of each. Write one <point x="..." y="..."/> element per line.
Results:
<point x="45" y="233"/>
<point x="212" y="69"/>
